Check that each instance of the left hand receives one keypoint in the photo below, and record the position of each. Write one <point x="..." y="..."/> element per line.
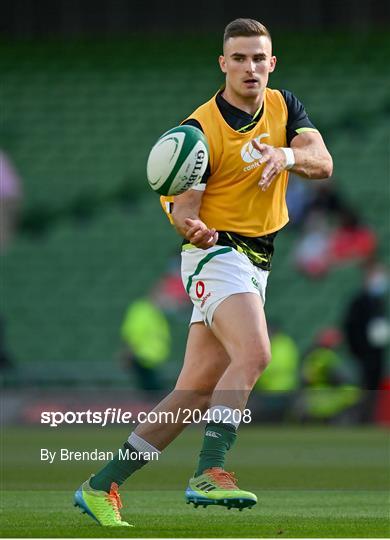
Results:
<point x="199" y="234"/>
<point x="275" y="161"/>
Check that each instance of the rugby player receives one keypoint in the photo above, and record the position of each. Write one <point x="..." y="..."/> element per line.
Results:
<point x="256" y="135"/>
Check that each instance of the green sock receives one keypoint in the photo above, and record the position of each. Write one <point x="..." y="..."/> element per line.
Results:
<point x="117" y="470"/>
<point x="218" y="439"/>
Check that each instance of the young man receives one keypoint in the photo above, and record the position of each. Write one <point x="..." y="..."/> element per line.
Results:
<point x="229" y="222"/>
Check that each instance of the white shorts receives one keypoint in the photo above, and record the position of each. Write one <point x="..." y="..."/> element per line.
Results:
<point x="209" y="276"/>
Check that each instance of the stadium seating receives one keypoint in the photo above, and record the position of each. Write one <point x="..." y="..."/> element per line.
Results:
<point x="78" y="123"/>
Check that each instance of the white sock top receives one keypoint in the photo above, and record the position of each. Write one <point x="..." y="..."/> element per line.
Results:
<point x="141" y="445"/>
<point x="224" y="414"/>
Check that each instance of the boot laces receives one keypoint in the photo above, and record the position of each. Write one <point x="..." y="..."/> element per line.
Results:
<point x="114" y="500"/>
<point x="223" y="478"/>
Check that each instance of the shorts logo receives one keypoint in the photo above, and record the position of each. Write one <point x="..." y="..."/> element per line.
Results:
<point x="255" y="283"/>
<point x="204" y="299"/>
<point x="199" y="289"/>
<point x="249" y="153"/>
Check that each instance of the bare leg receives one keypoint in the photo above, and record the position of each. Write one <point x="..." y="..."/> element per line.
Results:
<point x="205" y="362"/>
<point x="239" y="324"/>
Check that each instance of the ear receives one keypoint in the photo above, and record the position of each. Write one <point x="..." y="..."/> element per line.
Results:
<point x="272" y="64"/>
<point x="222" y="63"/>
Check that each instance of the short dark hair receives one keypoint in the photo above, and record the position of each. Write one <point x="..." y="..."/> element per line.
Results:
<point x="245" y="28"/>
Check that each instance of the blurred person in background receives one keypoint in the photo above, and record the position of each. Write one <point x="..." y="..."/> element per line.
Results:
<point x="173" y="295"/>
<point x="297" y="198"/>
<point x="311" y="252"/>
<point x="320" y="198"/>
<point x="146" y="334"/>
<point x="323" y="245"/>
<point x="10" y="200"/>
<point x="351" y="240"/>
<point x="146" y="331"/>
<point x="367" y="332"/>
<point x="280" y="379"/>
<point x="329" y="392"/>
<point x="325" y="199"/>
<point x="229" y="223"/>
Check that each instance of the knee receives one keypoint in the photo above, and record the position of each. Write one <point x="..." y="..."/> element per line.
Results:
<point x="256" y="362"/>
<point x="265" y="357"/>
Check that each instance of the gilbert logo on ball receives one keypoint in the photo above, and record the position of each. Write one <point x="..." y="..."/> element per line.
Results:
<point x="178" y="160"/>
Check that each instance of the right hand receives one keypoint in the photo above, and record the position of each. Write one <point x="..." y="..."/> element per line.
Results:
<point x="199" y="234"/>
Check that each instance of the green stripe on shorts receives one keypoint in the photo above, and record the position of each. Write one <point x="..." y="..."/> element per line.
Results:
<point x="204" y="261"/>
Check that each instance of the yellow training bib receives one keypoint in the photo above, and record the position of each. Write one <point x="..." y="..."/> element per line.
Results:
<point x="233" y="201"/>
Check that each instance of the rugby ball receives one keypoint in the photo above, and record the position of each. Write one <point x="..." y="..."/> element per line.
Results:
<point x="178" y="160"/>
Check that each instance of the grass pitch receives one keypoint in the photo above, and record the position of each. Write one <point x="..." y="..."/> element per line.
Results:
<point x="310" y="482"/>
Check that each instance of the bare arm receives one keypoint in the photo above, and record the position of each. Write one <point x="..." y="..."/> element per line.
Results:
<point x="312" y="159"/>
<point x="185" y="217"/>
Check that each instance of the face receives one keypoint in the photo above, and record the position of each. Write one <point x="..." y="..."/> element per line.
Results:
<point x="247" y="63"/>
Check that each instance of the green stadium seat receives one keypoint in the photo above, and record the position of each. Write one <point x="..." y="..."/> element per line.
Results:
<point x="78" y="127"/>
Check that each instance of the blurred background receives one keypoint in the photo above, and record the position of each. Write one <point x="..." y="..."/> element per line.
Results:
<point x="91" y="295"/>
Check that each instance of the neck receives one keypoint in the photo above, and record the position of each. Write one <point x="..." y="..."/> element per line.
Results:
<point x="249" y="104"/>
